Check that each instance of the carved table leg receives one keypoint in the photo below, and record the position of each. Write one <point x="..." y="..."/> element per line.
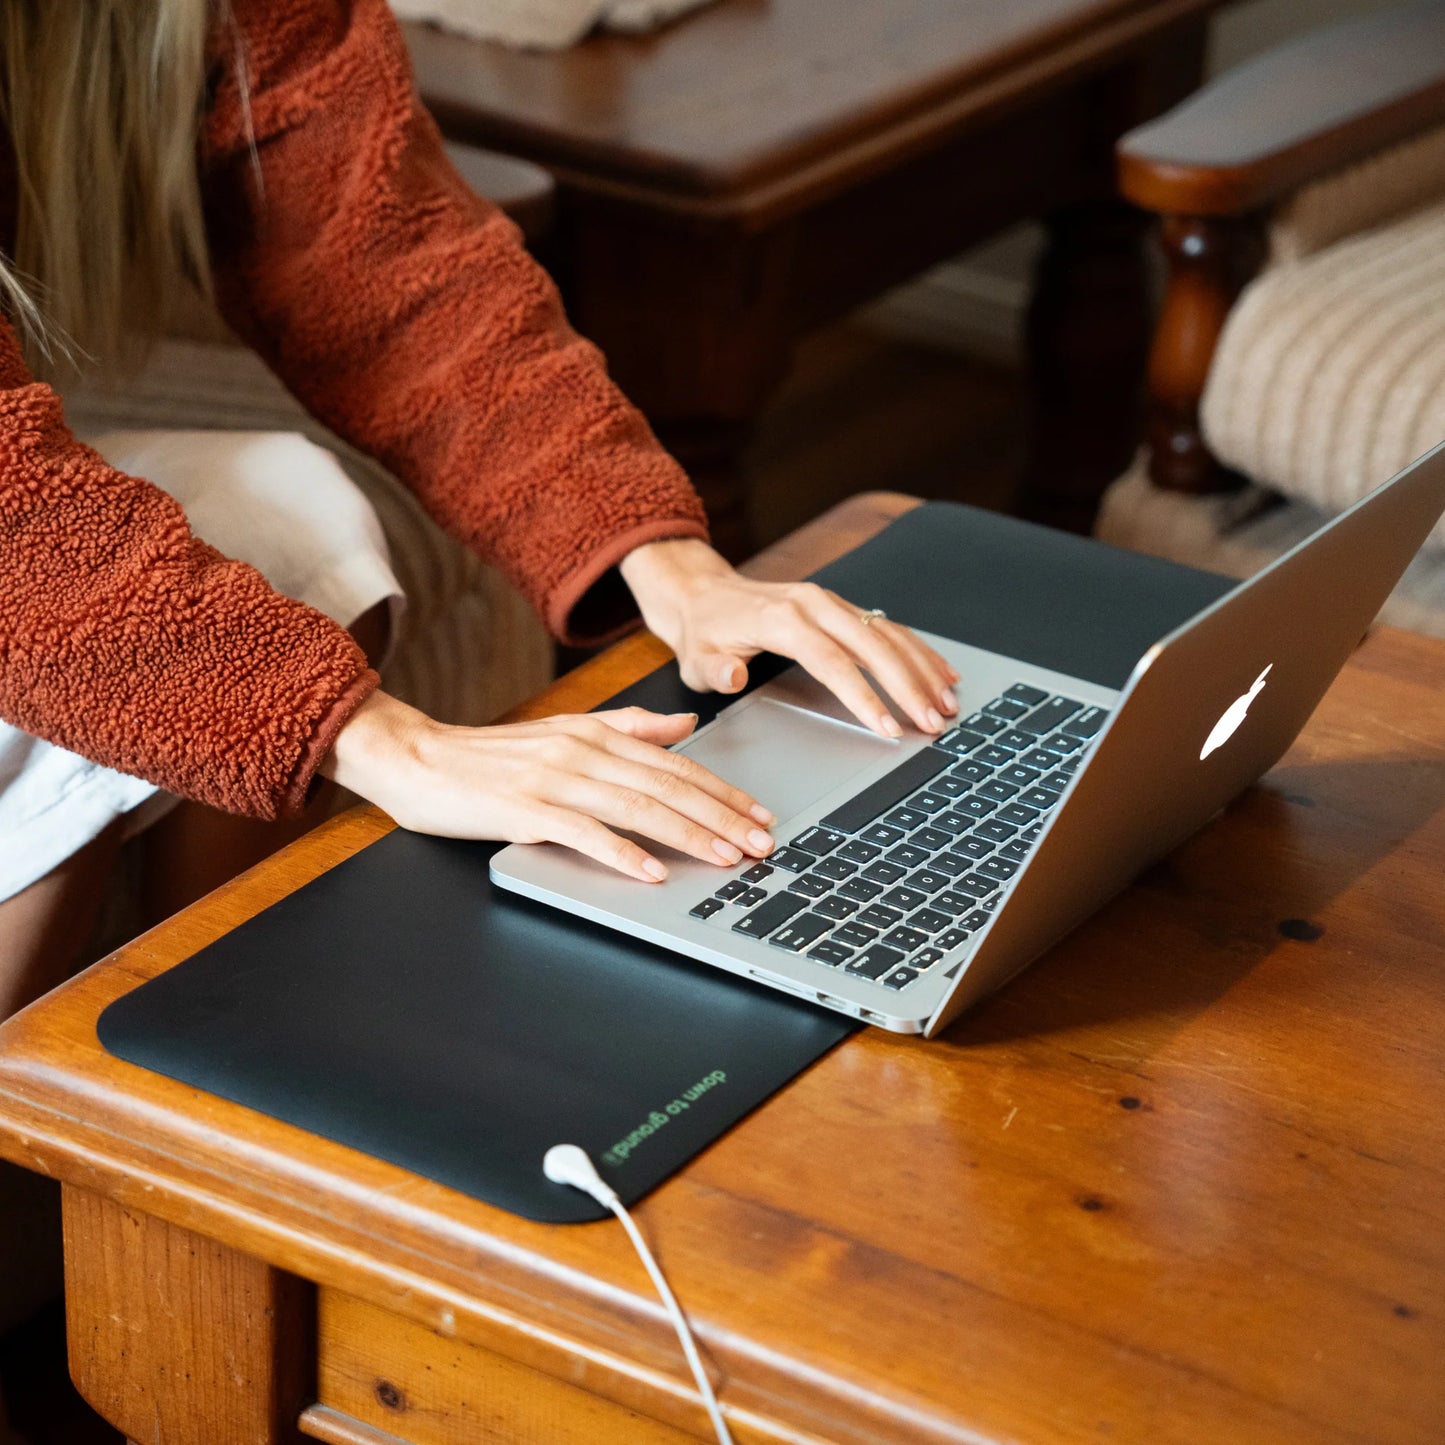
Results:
<point x="178" y="1339"/>
<point x="1088" y="337"/>
<point x="696" y="321"/>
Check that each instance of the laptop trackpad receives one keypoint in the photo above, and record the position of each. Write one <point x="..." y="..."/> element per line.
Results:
<point x="785" y="756"/>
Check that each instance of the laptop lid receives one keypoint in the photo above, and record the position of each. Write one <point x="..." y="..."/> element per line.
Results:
<point x="1207" y="711"/>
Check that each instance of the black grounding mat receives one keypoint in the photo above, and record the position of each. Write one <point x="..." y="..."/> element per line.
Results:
<point x="400" y="1005"/>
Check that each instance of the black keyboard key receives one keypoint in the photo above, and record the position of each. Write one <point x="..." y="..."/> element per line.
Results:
<point x="953" y="822"/>
<point x="757" y="873"/>
<point x="1058" y="781"/>
<point x="927" y="880"/>
<point x="904" y="898"/>
<point x="1042" y="759"/>
<point x="751" y="898"/>
<point x="971" y="847"/>
<point x="925" y="958"/>
<point x="1017" y="776"/>
<point x="975" y="920"/>
<point x="910" y="775"/>
<point x="855" y="935"/>
<point x="899" y="978"/>
<point x="835" y="907"/>
<point x="992" y="903"/>
<point x="928" y="802"/>
<point x="909" y="854"/>
<point x="972" y="771"/>
<point x="1085" y="724"/>
<point x="1054" y="713"/>
<point x="706" y="908"/>
<point x="801" y="933"/>
<point x="1062" y="743"/>
<point x="951" y="787"/>
<point x="1018" y="815"/>
<point x="729" y="891"/>
<point x="909" y="818"/>
<point x="951" y="937"/>
<point x="792" y="859"/>
<point x="1015" y="850"/>
<point x="1022" y="692"/>
<point x="885" y="872"/>
<point x="819" y="840"/>
<point x="931" y="838"/>
<point x="905" y="938"/>
<point x="929" y="920"/>
<point x="876" y="961"/>
<point x="810" y="885"/>
<point x="952" y="864"/>
<point x="977" y="884"/>
<point x="982" y="722"/>
<point x="953" y="903"/>
<point x="974" y="806"/>
<point x="831" y="952"/>
<point x="960" y="741"/>
<point x="994" y="755"/>
<point x="860" y="889"/>
<point x="997" y="790"/>
<point x="1006" y="708"/>
<point x="1044" y="798"/>
<point x="1001" y="868"/>
<point x="770" y="915"/>
<point x="1030" y="836"/>
<point x="994" y="831"/>
<point x="1070" y="766"/>
<point x="835" y="870"/>
<point x="877" y="916"/>
<point x="855" y="850"/>
<point x="881" y="835"/>
<point x="1015" y="742"/>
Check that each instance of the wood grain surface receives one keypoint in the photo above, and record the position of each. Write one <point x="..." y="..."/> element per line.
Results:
<point x="1180" y="1181"/>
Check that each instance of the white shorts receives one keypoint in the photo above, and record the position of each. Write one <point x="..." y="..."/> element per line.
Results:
<point x="273" y="499"/>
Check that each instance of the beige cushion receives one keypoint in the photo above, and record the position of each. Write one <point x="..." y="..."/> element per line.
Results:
<point x="471" y="647"/>
<point x="1330" y="373"/>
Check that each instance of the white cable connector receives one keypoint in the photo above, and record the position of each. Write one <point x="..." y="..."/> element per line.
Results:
<point x="569" y="1164"/>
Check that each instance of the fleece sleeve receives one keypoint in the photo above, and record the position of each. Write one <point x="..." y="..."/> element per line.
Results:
<point x="405" y="313"/>
<point x="126" y="639"/>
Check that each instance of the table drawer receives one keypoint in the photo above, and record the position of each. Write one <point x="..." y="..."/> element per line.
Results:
<point x="411" y="1383"/>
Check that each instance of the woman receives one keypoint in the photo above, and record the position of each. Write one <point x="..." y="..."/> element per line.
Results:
<point x="319" y="210"/>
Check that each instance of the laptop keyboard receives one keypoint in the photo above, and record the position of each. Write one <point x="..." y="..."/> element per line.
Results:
<point x="904" y="873"/>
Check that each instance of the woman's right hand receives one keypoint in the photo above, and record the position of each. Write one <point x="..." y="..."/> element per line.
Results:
<point x="571" y="779"/>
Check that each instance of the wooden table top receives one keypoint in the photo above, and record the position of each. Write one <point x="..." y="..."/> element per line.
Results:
<point x="746" y="92"/>
<point x="1182" y="1180"/>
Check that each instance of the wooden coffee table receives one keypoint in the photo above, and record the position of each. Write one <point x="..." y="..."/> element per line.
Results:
<point x="1179" y="1182"/>
<point x="763" y="166"/>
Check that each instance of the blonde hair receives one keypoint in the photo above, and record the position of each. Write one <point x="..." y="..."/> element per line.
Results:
<point x="103" y="100"/>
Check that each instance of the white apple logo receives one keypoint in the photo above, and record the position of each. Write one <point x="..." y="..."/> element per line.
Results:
<point x="1224" y="729"/>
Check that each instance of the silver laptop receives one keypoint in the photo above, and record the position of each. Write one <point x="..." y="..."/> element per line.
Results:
<point x="915" y="877"/>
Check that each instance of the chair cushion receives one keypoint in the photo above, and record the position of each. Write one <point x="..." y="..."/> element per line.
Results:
<point x="1330" y="373"/>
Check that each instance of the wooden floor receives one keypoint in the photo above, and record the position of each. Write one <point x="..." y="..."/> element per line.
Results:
<point x="862" y="412"/>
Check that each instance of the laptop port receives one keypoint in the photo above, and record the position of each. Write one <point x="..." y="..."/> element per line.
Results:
<point x="828" y="1001"/>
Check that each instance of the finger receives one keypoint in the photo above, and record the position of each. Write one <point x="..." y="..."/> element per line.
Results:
<point x="895" y="667"/>
<point x="732" y="830"/>
<point x="639" y="812"/>
<point x="684" y="767"/>
<point x="706" y="670"/>
<point x="821" y="656"/>
<point x="660" y="728"/>
<point x="595" y="840"/>
<point x="939" y="671"/>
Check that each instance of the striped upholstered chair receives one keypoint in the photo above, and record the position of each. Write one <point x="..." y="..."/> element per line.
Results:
<point x="1300" y="353"/>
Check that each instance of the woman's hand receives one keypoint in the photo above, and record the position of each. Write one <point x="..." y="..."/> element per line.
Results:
<point x="569" y="780"/>
<point x="717" y="620"/>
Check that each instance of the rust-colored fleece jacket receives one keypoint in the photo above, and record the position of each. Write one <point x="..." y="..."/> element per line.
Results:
<point x="405" y="314"/>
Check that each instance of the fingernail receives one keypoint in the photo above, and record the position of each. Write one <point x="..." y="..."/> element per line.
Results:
<point x="733" y="677"/>
<point x="950" y="703"/>
<point x="935" y="721"/>
<point x="726" y="851"/>
<point x="889" y="724"/>
<point x="691" y="715"/>
<point x="762" y="814"/>
<point x="654" y="869"/>
<point x="760" y="840"/>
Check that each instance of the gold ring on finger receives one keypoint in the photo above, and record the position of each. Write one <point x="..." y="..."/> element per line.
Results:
<point x="872" y="615"/>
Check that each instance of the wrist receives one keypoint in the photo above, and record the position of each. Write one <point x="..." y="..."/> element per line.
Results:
<point x="379" y="743"/>
<point x="661" y="575"/>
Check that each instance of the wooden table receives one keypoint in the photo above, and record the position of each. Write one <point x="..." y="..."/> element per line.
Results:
<point x="763" y="166"/>
<point x="1183" y="1180"/>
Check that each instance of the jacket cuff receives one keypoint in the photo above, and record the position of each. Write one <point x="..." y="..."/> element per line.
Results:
<point x="304" y="781"/>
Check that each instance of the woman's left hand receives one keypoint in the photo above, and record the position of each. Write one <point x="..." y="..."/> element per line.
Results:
<point x="717" y="620"/>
